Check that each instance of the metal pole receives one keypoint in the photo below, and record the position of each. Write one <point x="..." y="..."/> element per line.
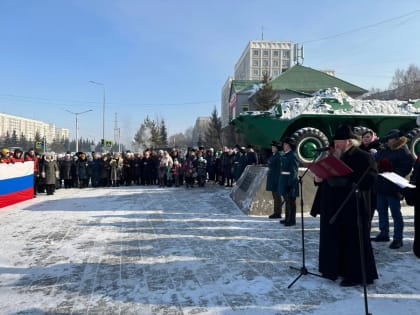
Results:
<point x="77" y="125"/>
<point x="119" y="140"/>
<point x="77" y="134"/>
<point x="103" y="114"/>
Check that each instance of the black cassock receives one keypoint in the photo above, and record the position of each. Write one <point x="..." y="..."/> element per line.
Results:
<point x="339" y="246"/>
<point x="415" y="178"/>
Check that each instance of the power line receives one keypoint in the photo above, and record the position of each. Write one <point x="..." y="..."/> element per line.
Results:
<point x="362" y="27"/>
<point x="67" y="102"/>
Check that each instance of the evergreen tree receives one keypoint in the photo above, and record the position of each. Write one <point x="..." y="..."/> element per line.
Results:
<point x="155" y="134"/>
<point x="163" y="134"/>
<point x="7" y="142"/>
<point x="142" y="138"/>
<point x="14" y="139"/>
<point x="57" y="146"/>
<point x="265" y="97"/>
<point x="23" y="142"/>
<point x="145" y="137"/>
<point x="213" y="133"/>
<point x="38" y="140"/>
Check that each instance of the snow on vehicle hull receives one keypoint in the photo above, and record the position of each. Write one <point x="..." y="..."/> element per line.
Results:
<point x="313" y="120"/>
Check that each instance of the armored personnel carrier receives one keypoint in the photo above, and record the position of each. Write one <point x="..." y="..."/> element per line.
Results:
<point x="312" y="119"/>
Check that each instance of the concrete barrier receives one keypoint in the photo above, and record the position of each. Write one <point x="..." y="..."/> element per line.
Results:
<point x="251" y="197"/>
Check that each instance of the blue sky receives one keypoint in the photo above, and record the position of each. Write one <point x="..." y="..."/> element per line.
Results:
<point x="169" y="59"/>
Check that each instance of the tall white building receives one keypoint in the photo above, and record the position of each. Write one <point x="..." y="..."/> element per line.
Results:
<point x="264" y="56"/>
<point x="259" y="57"/>
<point x="29" y="128"/>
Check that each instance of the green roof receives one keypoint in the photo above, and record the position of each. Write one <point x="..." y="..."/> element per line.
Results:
<point x="305" y="79"/>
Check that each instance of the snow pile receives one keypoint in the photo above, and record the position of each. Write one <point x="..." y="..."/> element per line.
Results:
<point x="322" y="100"/>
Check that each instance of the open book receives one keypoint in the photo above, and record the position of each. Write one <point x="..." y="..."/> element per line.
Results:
<point x="329" y="166"/>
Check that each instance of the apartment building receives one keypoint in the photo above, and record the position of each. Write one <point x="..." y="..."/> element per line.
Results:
<point x="29" y="128"/>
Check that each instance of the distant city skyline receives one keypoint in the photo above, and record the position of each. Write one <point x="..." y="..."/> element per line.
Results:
<point x="170" y="60"/>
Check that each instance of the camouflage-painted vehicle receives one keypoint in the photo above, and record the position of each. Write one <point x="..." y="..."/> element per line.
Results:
<point x="311" y="120"/>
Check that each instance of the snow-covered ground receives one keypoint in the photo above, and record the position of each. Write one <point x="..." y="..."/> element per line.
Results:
<point x="149" y="250"/>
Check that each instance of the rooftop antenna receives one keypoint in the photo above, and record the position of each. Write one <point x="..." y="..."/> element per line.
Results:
<point x="262" y="32"/>
<point x="298" y="54"/>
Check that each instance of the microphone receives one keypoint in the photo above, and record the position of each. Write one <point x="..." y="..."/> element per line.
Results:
<point x="321" y="149"/>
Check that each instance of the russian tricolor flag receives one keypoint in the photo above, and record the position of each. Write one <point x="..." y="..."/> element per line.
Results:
<point x="16" y="182"/>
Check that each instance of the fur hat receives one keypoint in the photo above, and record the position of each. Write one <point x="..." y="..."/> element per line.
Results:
<point x="344" y="132"/>
<point x="291" y="142"/>
<point x="392" y="134"/>
<point x="275" y="143"/>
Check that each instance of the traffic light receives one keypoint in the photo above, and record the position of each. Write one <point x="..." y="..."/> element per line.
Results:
<point x="103" y="142"/>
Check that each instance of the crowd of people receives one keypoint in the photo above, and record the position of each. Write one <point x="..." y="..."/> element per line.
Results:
<point x="347" y="204"/>
<point x="164" y="168"/>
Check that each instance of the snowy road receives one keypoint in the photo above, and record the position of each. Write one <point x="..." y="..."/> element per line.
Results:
<point x="137" y="250"/>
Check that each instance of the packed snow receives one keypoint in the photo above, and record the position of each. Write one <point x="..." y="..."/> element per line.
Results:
<point x="150" y="250"/>
<point x="346" y="105"/>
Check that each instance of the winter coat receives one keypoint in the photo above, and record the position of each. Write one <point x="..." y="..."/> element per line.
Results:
<point x="226" y="160"/>
<point x="116" y="169"/>
<point x="201" y="167"/>
<point x="147" y="167"/>
<point x="165" y="165"/>
<point x="288" y="178"/>
<point x="82" y="168"/>
<point x="397" y="159"/>
<point x="50" y="172"/>
<point x="273" y="173"/>
<point x="239" y="164"/>
<point x="251" y="158"/>
<point x="66" y="167"/>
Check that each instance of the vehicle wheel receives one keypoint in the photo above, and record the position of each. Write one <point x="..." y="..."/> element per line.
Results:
<point x="307" y="141"/>
<point x="414" y="142"/>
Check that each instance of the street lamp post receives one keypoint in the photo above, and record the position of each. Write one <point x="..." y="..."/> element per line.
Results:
<point x="103" y="107"/>
<point x="77" y="125"/>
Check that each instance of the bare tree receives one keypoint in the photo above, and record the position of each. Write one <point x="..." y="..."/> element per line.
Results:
<point x="406" y="83"/>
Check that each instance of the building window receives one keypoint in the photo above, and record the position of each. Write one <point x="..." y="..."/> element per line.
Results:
<point x="265" y="63"/>
<point x="285" y="63"/>
<point x="256" y="72"/>
<point x="275" y="73"/>
<point x="265" y="53"/>
<point x="276" y="53"/>
<point x="255" y="52"/>
<point x="276" y="63"/>
<point x="255" y="63"/>
<point x="286" y="54"/>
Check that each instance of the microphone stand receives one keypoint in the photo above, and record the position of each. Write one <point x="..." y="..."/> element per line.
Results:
<point x="355" y="190"/>
<point x="303" y="271"/>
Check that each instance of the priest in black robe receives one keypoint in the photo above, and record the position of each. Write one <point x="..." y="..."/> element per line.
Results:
<point x="339" y="244"/>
